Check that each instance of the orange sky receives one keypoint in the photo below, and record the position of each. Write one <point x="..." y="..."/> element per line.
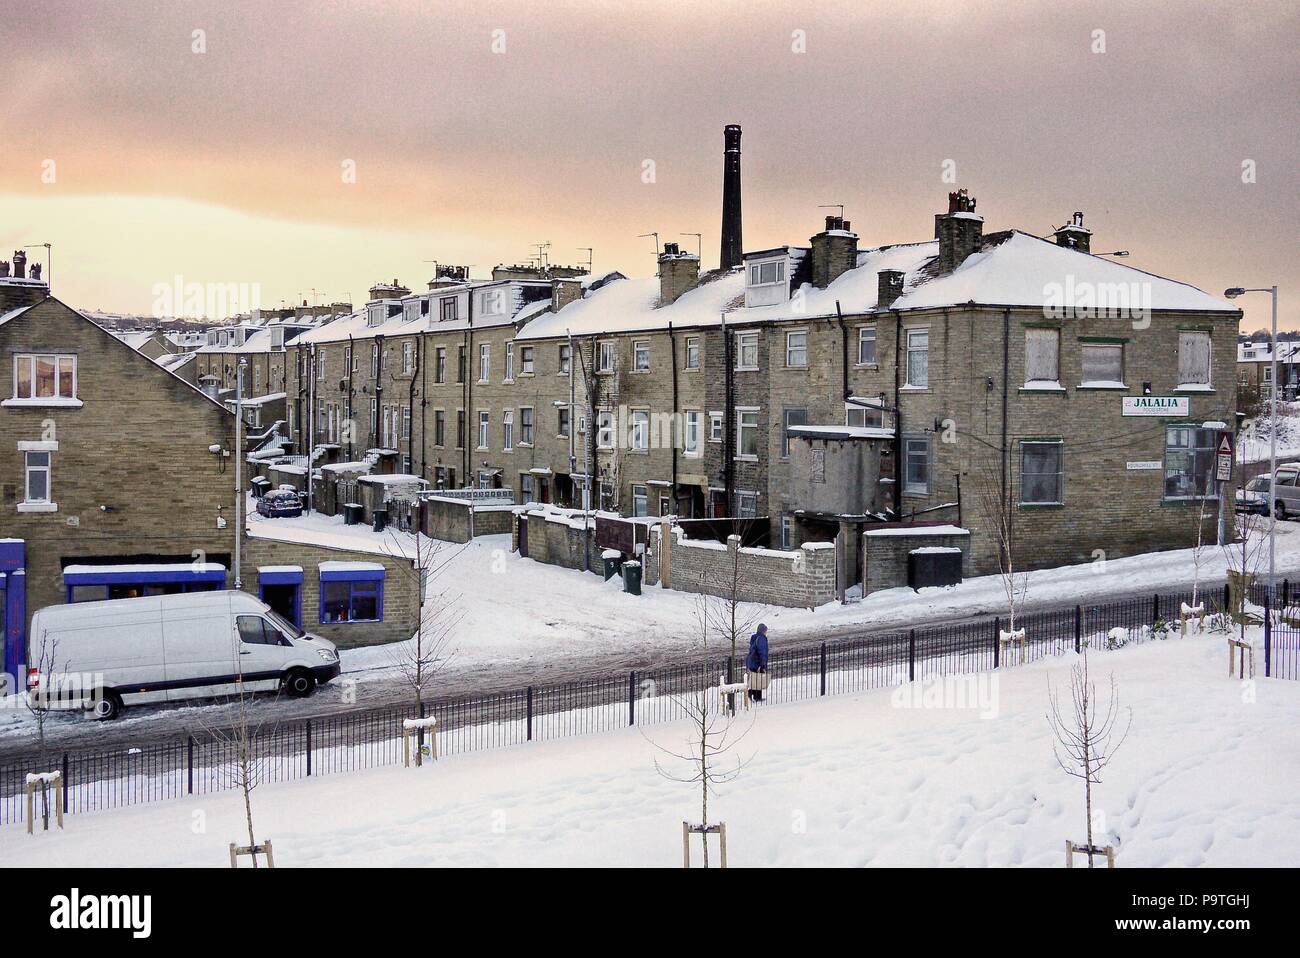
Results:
<point x="225" y="166"/>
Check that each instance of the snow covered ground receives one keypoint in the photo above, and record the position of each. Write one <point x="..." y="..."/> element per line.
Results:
<point x="513" y="609"/>
<point x="1255" y="435"/>
<point x="1209" y="775"/>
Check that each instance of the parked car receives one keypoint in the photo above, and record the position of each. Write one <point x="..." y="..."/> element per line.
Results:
<point x="102" y="656"/>
<point x="279" y="503"/>
<point x="1287" y="491"/>
<point x="1253" y="498"/>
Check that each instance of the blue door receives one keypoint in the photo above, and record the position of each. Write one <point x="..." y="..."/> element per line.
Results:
<point x="13" y="609"/>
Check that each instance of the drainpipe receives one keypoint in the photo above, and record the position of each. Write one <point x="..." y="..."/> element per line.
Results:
<point x="728" y="414"/>
<point x="844" y="350"/>
<point x="672" y="355"/>
<point x="899" y="465"/>
<point x="469" y="387"/>
<point x="410" y="440"/>
<point x="347" y="372"/>
<point x="1005" y="452"/>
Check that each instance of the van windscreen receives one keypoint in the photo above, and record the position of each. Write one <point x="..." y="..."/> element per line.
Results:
<point x="285" y="625"/>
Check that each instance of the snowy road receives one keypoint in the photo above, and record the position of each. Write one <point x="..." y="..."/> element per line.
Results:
<point x="148" y="725"/>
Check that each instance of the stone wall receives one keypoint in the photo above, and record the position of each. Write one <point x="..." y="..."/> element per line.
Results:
<point x="401" y="592"/>
<point x="803" y="578"/>
<point x="886" y="551"/>
<point x="557" y="539"/>
<point x="452" y="519"/>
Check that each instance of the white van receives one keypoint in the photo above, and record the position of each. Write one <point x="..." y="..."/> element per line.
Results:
<point x="101" y="656"/>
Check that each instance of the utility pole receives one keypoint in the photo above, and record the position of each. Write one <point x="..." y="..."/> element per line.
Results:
<point x="239" y="462"/>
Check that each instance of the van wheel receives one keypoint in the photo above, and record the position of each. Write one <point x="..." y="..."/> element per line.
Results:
<point x="299" y="683"/>
<point x="1280" y="510"/>
<point x="107" y="705"/>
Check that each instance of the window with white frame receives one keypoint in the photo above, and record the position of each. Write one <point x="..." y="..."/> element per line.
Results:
<point x="640" y="437"/>
<point x="408" y="358"/>
<point x="45" y="376"/>
<point x="447" y="308"/>
<point x="747" y="351"/>
<point x="746" y="433"/>
<point x="1042" y="477"/>
<point x="508" y="430"/>
<point x="605" y="357"/>
<point x="564" y="416"/>
<point x="918" y="358"/>
<point x="857" y="415"/>
<point x="320" y="363"/>
<point x="37" y="488"/>
<point x="691" y="440"/>
<point x="916" y="467"/>
<point x="715" y="427"/>
<point x="1042" y="357"/>
<point x="526" y="425"/>
<point x="510" y="362"/>
<point x="440" y="365"/>
<point x="565" y="355"/>
<point x="866" y="345"/>
<point x="484" y="362"/>
<point x="1102" y="364"/>
<point x="525" y="360"/>
<point x="787" y="531"/>
<point x="484" y="421"/>
<point x="641" y="355"/>
<point x="1193" y="358"/>
<point x="746" y="505"/>
<point x="692" y="352"/>
<point x="765" y="274"/>
<point x="640" y="500"/>
<point x="796" y="348"/>
<point x="406" y="422"/>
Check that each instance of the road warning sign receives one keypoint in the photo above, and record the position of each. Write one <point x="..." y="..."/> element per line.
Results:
<point x="1223" y="458"/>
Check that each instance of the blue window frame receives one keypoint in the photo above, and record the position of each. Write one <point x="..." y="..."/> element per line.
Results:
<point x="89" y="584"/>
<point x="284" y="582"/>
<point x="351" y="592"/>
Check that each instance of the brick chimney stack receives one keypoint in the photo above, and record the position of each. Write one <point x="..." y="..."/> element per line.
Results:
<point x="959" y="231"/>
<point x="732" y="245"/>
<point x="834" y="251"/>
<point x="20" y="264"/>
<point x="1073" y="235"/>
<point x="564" y="290"/>
<point x="678" y="272"/>
<point x="890" y="287"/>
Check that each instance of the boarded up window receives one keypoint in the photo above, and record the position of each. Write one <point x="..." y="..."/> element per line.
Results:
<point x="1041" y="354"/>
<point x="1193" y="358"/>
<point x="1103" y="363"/>
<point x="818" y="464"/>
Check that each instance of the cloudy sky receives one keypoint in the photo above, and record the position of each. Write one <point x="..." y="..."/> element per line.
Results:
<point x="479" y="129"/>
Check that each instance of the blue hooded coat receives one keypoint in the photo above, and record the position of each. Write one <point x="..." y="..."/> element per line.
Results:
<point x="757" y="657"/>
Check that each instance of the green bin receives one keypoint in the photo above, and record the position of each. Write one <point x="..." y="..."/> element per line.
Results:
<point x="611" y="558"/>
<point x="632" y="578"/>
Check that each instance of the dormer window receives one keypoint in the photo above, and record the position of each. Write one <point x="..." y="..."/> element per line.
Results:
<point x="375" y="314"/>
<point x="277" y="338"/>
<point x="766" y="274"/>
<point x="492" y="302"/>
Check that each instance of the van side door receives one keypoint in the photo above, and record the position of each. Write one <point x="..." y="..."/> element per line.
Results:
<point x="263" y="652"/>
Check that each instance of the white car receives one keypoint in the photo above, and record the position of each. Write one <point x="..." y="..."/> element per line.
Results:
<point x="101" y="656"/>
<point x="1253" y="498"/>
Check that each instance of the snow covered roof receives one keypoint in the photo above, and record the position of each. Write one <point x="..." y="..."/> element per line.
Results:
<point x="13" y="314"/>
<point x="630" y="305"/>
<point x="841" y="432"/>
<point x="1262" y="353"/>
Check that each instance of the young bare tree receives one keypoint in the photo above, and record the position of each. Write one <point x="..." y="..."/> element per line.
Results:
<point x="1244" y="552"/>
<point x="248" y="767"/>
<point x="419" y="660"/>
<point x="50" y="678"/>
<point x="714" y="733"/>
<point x="1087" y="736"/>
<point x="998" y="509"/>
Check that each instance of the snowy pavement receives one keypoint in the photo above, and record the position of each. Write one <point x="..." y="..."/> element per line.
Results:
<point x="1209" y="775"/>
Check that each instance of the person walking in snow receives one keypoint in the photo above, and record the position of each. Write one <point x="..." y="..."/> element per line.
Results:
<point x="756" y="663"/>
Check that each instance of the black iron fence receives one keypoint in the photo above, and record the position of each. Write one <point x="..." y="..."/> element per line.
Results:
<point x="95" y="779"/>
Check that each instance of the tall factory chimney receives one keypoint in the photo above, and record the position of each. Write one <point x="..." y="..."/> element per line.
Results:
<point x="732" y="245"/>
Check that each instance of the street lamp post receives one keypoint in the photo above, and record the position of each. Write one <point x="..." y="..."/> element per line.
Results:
<point x="1233" y="293"/>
